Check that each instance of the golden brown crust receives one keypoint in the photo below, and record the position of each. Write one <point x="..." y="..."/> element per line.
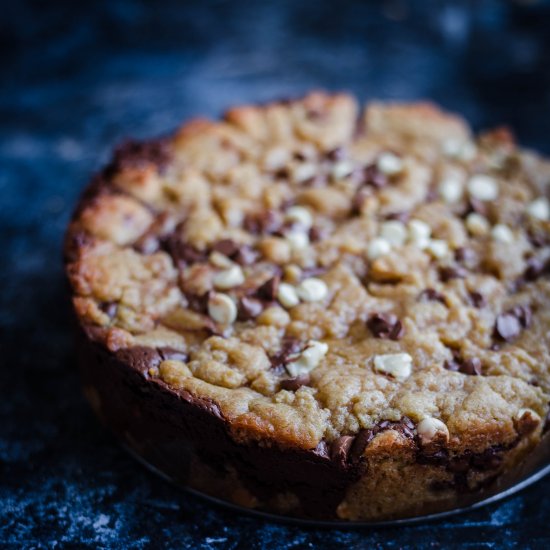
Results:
<point x="427" y="250"/>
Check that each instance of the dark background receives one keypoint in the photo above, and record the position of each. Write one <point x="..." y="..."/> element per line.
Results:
<point x="78" y="76"/>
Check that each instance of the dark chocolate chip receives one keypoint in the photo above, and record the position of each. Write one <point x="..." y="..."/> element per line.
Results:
<point x="169" y="353"/>
<point x="249" y="308"/>
<point x="263" y="223"/>
<point x="268" y="290"/>
<point x="340" y="448"/>
<point x="430" y="294"/>
<point x="293" y="384"/>
<point x="359" y="444"/>
<point x="243" y="254"/>
<point x="446" y="273"/>
<point x="477" y="299"/>
<point x="385" y="325"/>
<point x="399" y="216"/>
<point x="438" y="458"/>
<point x="289" y="346"/>
<point x="523" y="314"/>
<point x="373" y="177"/>
<point x="198" y="302"/>
<point x="488" y="460"/>
<point x="182" y="252"/>
<point x="227" y="247"/>
<point x="339" y="153"/>
<point x="110" y="308"/>
<point x="471" y="366"/>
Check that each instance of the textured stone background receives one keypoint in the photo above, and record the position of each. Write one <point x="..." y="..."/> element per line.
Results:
<point x="79" y="76"/>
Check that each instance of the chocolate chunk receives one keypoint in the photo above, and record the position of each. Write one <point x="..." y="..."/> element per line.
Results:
<point x="487" y="460"/>
<point x="437" y="458"/>
<point x="471" y="366"/>
<point x="293" y="384"/>
<point x="289" y="347"/>
<point x="523" y="315"/>
<point x="240" y="253"/>
<point x="507" y="326"/>
<point x="449" y="272"/>
<point x="198" y="302"/>
<point x="268" y="290"/>
<point x="249" y="308"/>
<point x="263" y="223"/>
<point x="430" y="294"/>
<point x="373" y="177"/>
<point x="182" y="252"/>
<point x="385" y="325"/>
<point x="227" y="247"/>
<point x="340" y="448"/>
<point x="169" y="353"/>
<point x="477" y="299"/>
<point x="359" y="444"/>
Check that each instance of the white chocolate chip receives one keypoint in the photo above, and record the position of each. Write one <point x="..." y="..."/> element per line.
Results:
<point x="217" y="259"/>
<point x="539" y="209"/>
<point x="458" y="149"/>
<point x="312" y="290"/>
<point x="438" y="248"/>
<point x="308" y="359"/>
<point x="397" y="365"/>
<point x="222" y="309"/>
<point x="502" y="233"/>
<point x="298" y="240"/>
<point x="378" y="247"/>
<point x="394" y="232"/>
<point x="430" y="428"/>
<point x="389" y="164"/>
<point x="342" y="169"/>
<point x="299" y="215"/>
<point x="303" y="172"/>
<point x="419" y="231"/>
<point x="450" y="190"/>
<point x="229" y="278"/>
<point x="483" y="187"/>
<point x="477" y="224"/>
<point x="287" y="295"/>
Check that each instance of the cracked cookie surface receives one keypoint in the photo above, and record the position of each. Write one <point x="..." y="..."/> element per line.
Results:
<point x="325" y="274"/>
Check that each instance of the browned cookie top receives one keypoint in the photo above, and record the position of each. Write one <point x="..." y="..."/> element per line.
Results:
<point x="316" y="271"/>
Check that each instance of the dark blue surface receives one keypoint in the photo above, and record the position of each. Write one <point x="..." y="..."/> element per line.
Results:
<point x="79" y="76"/>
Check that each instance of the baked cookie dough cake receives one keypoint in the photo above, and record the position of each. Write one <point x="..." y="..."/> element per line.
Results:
<point x="317" y="310"/>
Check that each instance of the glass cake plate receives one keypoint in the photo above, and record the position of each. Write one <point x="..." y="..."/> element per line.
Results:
<point x="533" y="468"/>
